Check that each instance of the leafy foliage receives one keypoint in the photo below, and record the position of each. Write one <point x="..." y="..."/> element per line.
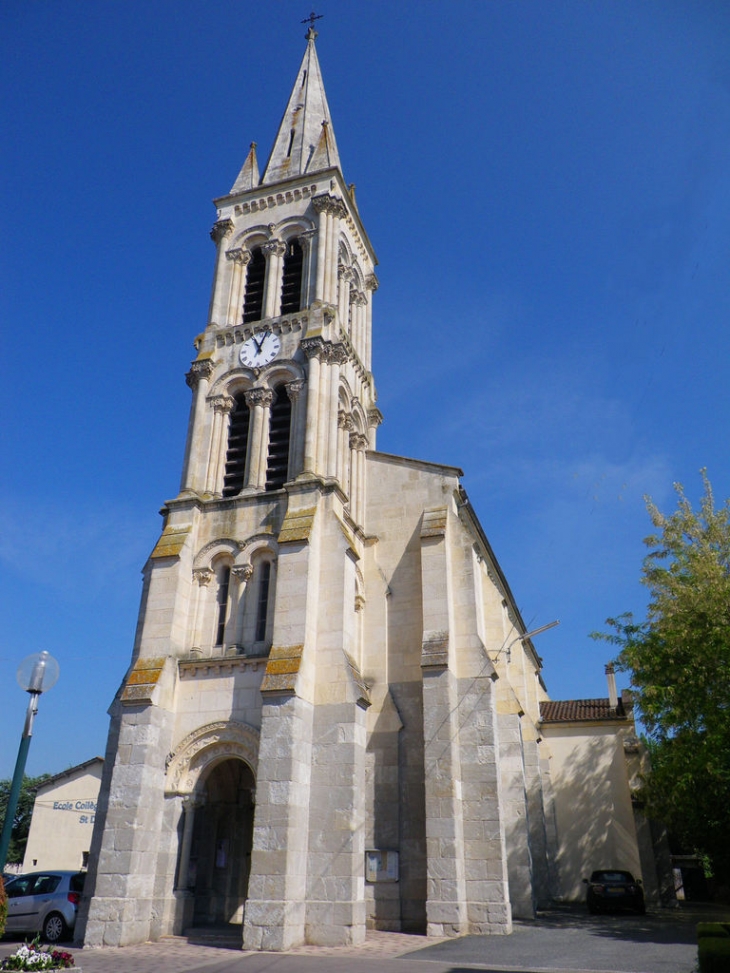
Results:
<point x="23" y="814"/>
<point x="679" y="660"/>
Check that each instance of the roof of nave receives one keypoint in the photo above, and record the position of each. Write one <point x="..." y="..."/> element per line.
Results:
<point x="583" y="710"/>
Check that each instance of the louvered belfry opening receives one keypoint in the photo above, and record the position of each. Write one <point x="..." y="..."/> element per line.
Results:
<point x="277" y="463"/>
<point x="253" y="307"/>
<point x="224" y="581"/>
<point x="233" y="478"/>
<point x="262" y="606"/>
<point x="291" y="282"/>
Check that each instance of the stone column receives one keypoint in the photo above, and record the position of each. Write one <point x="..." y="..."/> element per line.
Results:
<point x="193" y="476"/>
<point x="306" y="242"/>
<point x="358" y="445"/>
<point x="337" y="357"/>
<point x="259" y="401"/>
<point x="222" y="408"/>
<point x="321" y="208"/>
<point x="189" y="805"/>
<point x="218" y="298"/>
<point x="203" y="577"/>
<point x="345" y="276"/>
<point x="337" y="210"/>
<point x="274" y="250"/>
<point x="315" y="350"/>
<point x="242" y="574"/>
<point x="240" y="259"/>
<point x="371" y="284"/>
<point x="296" y="439"/>
<point x="346" y="426"/>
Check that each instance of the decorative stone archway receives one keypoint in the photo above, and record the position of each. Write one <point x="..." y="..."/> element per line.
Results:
<point x="214" y="879"/>
<point x="206" y="746"/>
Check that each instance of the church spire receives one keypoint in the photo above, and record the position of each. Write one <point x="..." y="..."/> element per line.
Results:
<point x="305" y="141"/>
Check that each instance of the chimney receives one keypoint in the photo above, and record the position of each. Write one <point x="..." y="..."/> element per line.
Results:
<point x="612" y="692"/>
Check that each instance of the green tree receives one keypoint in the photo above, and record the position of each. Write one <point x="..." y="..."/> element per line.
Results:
<point x="23" y="814"/>
<point x="679" y="661"/>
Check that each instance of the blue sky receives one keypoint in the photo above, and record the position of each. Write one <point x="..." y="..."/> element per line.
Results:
<point x="546" y="186"/>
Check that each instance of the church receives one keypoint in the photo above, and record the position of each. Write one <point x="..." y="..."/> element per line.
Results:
<point x="334" y="718"/>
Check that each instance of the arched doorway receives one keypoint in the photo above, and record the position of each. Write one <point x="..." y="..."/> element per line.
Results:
<point x="220" y="852"/>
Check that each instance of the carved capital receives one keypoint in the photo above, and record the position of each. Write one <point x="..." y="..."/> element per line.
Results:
<point x="358" y="441"/>
<point x="222" y="403"/>
<point x="242" y="572"/>
<point x="329" y="204"/>
<point x="375" y="417"/>
<point x="239" y="255"/>
<point x="321" y="203"/>
<point x="371" y="282"/>
<point x="337" y="354"/>
<point x="345" y="273"/>
<point x="306" y="236"/>
<point x="199" y="371"/>
<point x="259" y="396"/>
<point x="220" y="230"/>
<point x="314" y="348"/>
<point x="203" y="576"/>
<point x="293" y="389"/>
<point x="358" y="298"/>
<point x="277" y="247"/>
<point x="345" y="420"/>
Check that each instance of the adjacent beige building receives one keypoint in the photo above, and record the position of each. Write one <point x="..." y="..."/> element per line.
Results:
<point x="63" y="818"/>
<point x="332" y="716"/>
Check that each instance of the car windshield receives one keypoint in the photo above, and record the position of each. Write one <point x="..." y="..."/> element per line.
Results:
<point x="613" y="876"/>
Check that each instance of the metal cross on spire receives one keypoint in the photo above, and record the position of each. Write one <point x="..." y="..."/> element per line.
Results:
<point x="310" y="20"/>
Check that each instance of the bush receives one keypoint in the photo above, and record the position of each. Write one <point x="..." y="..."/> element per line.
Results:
<point x="3" y="906"/>
<point x="713" y="930"/>
<point x="714" y="954"/>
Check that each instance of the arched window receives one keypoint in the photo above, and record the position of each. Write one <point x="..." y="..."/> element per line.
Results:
<point x="253" y="307"/>
<point x="223" y="579"/>
<point x="258" y="608"/>
<point x="233" y="478"/>
<point x="291" y="281"/>
<point x="277" y="462"/>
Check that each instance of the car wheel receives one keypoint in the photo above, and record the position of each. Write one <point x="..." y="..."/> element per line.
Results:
<point x="54" y="928"/>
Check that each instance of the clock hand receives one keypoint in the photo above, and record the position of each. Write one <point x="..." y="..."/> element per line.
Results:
<point x="258" y="346"/>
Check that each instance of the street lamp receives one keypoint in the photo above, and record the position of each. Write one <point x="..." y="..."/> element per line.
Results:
<point x="524" y="638"/>
<point x="36" y="674"/>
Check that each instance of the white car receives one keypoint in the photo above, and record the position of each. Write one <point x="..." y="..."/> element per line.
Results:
<point x="45" y="903"/>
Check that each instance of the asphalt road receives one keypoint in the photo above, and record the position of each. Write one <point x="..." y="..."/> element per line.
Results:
<point x="660" y="942"/>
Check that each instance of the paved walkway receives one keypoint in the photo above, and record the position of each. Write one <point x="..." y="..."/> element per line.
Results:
<point x="557" y="942"/>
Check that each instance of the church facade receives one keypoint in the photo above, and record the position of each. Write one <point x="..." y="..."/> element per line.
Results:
<point x="331" y="720"/>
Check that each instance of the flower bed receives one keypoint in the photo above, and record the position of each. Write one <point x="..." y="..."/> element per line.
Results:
<point x="33" y="956"/>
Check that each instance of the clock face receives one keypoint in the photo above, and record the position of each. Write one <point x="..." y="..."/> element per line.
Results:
<point x="260" y="349"/>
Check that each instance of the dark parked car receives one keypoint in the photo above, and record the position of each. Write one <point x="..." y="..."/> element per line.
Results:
<point x="45" y="903"/>
<point x="610" y="890"/>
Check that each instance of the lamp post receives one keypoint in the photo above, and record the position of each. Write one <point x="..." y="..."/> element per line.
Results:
<point x="36" y="674"/>
<point x="525" y="637"/>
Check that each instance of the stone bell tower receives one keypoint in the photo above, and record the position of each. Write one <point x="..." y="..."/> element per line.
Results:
<point x="236" y="755"/>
